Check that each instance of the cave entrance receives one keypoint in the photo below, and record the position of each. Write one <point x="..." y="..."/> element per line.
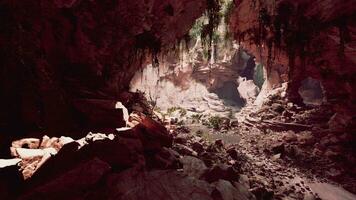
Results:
<point x="204" y="76"/>
<point x="229" y="94"/>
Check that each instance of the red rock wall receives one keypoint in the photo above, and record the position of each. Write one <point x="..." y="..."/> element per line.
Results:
<point x="55" y="52"/>
<point x="311" y="38"/>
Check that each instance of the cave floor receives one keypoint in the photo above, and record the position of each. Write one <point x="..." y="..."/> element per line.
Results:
<point x="273" y="163"/>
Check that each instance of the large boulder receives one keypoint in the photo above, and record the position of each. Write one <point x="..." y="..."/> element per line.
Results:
<point x="156" y="185"/>
<point x="72" y="184"/>
<point x="11" y="180"/>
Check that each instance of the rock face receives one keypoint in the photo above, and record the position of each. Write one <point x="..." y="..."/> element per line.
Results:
<point x="135" y="163"/>
<point x="55" y="55"/>
<point x="315" y="39"/>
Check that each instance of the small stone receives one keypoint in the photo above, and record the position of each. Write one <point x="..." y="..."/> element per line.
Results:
<point x="278" y="148"/>
<point x="233" y="153"/>
<point x="219" y="143"/>
<point x="290" y="136"/>
<point x="184" y="150"/>
<point x="221" y="171"/>
<point x="180" y="140"/>
<point x="309" y="197"/>
<point x="276" y="157"/>
<point x="234" y="123"/>
<point x="193" y="166"/>
<point x="198" y="147"/>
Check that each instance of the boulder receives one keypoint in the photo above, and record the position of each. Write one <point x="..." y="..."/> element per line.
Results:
<point x="247" y="89"/>
<point x="193" y="166"/>
<point x="224" y="190"/>
<point x="221" y="171"/>
<point x="156" y="185"/>
<point x="165" y="159"/>
<point x="233" y="153"/>
<point x="278" y="148"/>
<point x="234" y="123"/>
<point x="198" y="147"/>
<point x="31" y="143"/>
<point x="72" y="184"/>
<point x="184" y="150"/>
<point x="11" y="180"/>
<point x="152" y="134"/>
<point x="105" y="114"/>
<point x="119" y="153"/>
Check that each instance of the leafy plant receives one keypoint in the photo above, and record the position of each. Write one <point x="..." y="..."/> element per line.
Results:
<point x="215" y="122"/>
<point x="182" y="112"/>
<point x="171" y="110"/>
<point x="197" y="117"/>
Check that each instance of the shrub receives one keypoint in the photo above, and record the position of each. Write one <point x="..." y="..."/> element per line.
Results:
<point x="215" y="122"/>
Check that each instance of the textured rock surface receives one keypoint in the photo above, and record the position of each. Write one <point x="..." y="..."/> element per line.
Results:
<point x="316" y="39"/>
<point x="55" y="52"/>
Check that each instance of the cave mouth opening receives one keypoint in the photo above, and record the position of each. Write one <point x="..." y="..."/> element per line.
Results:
<point x="229" y="94"/>
<point x="209" y="74"/>
<point x="186" y="89"/>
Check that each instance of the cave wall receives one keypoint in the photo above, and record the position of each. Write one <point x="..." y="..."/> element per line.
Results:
<point x="62" y="59"/>
<point x="308" y="38"/>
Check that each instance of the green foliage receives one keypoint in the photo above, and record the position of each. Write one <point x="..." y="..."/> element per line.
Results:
<point x="215" y="122"/>
<point x="196" y="31"/>
<point x="180" y="123"/>
<point x="199" y="133"/>
<point x="258" y="75"/>
<point x="182" y="111"/>
<point x="227" y="10"/>
<point x="171" y="110"/>
<point x="196" y="117"/>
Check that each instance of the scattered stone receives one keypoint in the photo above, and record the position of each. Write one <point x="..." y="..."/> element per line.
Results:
<point x="30" y="143"/>
<point x="72" y="183"/>
<point x="219" y="143"/>
<point x="198" y="147"/>
<point x="165" y="159"/>
<point x="234" y="123"/>
<point x="181" y="139"/>
<point x="221" y="171"/>
<point x="289" y="136"/>
<point x="244" y="180"/>
<point x="184" y="150"/>
<point x="27" y="153"/>
<point x="276" y="157"/>
<point x="224" y="190"/>
<point x="278" y="148"/>
<point x="233" y="153"/>
<point x="262" y="193"/>
<point x="156" y="185"/>
<point x="277" y="108"/>
<point x="309" y="196"/>
<point x="193" y="166"/>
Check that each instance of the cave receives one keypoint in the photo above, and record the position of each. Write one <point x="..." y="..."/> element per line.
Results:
<point x="178" y="99"/>
<point x="229" y="93"/>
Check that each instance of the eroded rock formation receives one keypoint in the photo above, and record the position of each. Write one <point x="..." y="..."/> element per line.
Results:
<point x="315" y="39"/>
<point x="63" y="63"/>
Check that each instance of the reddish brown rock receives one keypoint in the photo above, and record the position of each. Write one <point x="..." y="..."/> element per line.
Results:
<point x="55" y="53"/>
<point x="11" y="182"/>
<point x="300" y="38"/>
<point x="156" y="185"/>
<point x="72" y="184"/>
<point x="152" y="134"/>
